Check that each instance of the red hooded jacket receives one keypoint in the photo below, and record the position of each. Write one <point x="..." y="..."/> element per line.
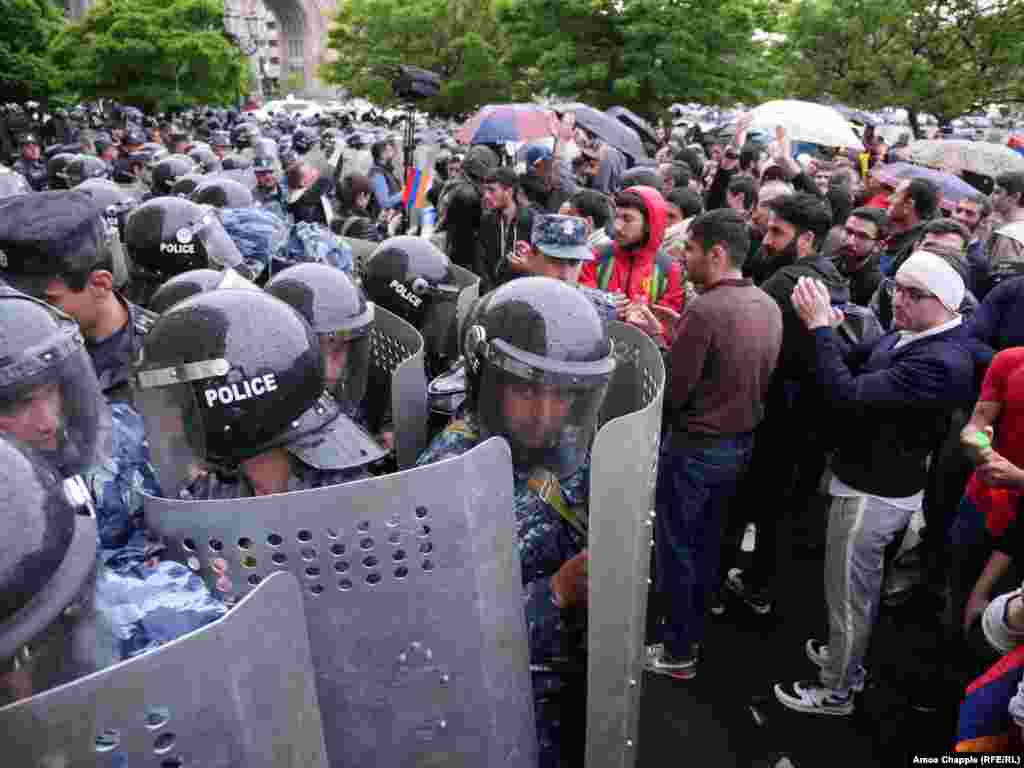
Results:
<point x="632" y="271"/>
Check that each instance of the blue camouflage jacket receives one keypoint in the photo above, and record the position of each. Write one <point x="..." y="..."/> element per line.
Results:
<point x="113" y="357"/>
<point x="223" y="484"/>
<point x="546" y="541"/>
<point x="146" y="602"/>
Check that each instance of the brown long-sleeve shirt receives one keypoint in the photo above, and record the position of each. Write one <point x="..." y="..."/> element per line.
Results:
<point x="722" y="359"/>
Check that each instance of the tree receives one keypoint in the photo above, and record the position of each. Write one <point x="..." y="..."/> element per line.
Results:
<point x="945" y="57"/>
<point x="152" y="53"/>
<point x="459" y="40"/>
<point x="25" y="70"/>
<point x="643" y="54"/>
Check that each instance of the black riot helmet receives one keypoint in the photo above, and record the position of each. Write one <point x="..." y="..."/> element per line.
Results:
<point x="222" y="192"/>
<point x="304" y="139"/>
<point x="49" y="395"/>
<point x="115" y="203"/>
<point x="543" y="342"/>
<point x="236" y="163"/>
<point x="188" y="284"/>
<point x="244" y="134"/>
<point x="56" y="170"/>
<point x="166" y="236"/>
<point x="48" y="627"/>
<point x="412" y="277"/>
<point x="168" y="171"/>
<point x="13" y="183"/>
<point x="205" y="159"/>
<point x="340" y="316"/>
<point x="225" y="376"/>
<point x="84" y="167"/>
<point x="186" y="185"/>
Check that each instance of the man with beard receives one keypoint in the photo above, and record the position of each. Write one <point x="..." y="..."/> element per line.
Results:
<point x="757" y="267"/>
<point x="857" y="256"/>
<point x="504" y="226"/>
<point x="797" y="226"/>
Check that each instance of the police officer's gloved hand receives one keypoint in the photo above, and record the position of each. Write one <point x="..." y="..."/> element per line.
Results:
<point x="570" y="584"/>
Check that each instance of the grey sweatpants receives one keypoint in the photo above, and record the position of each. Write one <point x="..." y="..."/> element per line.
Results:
<point x="859" y="529"/>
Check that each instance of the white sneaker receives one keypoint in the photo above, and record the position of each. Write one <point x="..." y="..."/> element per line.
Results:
<point x="817" y="652"/>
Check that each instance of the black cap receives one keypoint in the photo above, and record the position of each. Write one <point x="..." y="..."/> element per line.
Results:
<point x="50" y="233"/>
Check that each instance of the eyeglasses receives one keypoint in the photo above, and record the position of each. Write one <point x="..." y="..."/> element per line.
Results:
<point x="909" y="292"/>
<point x="856" y="234"/>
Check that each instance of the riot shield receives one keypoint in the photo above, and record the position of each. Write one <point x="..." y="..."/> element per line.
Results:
<point x="361" y="251"/>
<point x="622" y="478"/>
<point x="469" y="285"/>
<point x="396" y="391"/>
<point x="237" y="692"/>
<point x="413" y="601"/>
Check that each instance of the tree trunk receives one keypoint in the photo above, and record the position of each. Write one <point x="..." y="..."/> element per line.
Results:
<point x="912" y="117"/>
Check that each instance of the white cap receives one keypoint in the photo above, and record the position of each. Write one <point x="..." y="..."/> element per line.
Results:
<point x="935" y="275"/>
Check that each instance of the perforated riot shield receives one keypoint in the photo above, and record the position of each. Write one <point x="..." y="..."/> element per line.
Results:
<point x="237" y="692"/>
<point x="413" y="600"/>
<point x="623" y="473"/>
<point x="396" y="392"/>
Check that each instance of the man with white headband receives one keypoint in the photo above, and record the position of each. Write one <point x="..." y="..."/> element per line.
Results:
<point x="888" y="401"/>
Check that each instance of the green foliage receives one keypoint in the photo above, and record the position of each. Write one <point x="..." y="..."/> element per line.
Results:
<point x="460" y="40"/>
<point x="643" y="54"/>
<point x="152" y="53"/>
<point x="946" y="57"/>
<point x="28" y="27"/>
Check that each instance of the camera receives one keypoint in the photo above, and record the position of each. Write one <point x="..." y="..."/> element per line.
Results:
<point x="414" y="83"/>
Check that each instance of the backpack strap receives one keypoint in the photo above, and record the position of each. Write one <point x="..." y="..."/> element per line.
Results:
<point x="663" y="263"/>
<point x="605" y="266"/>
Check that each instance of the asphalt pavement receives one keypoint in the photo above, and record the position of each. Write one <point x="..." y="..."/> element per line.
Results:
<point x="728" y="716"/>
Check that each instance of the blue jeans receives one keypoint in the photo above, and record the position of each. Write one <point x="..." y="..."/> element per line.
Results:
<point x="697" y="480"/>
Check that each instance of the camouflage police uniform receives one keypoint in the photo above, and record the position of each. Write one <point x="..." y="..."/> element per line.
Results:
<point x="112" y="357"/>
<point x="565" y="237"/>
<point x="221" y="483"/>
<point x="546" y="540"/>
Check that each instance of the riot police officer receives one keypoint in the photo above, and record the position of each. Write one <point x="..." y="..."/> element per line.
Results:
<point x="412" y="277"/>
<point x="84" y="167"/>
<point x="57" y="247"/>
<point x="222" y="192"/>
<point x="271" y="192"/>
<point x="166" y="236"/>
<point x="30" y="165"/>
<point x="168" y="171"/>
<point x="539" y="361"/>
<point x="231" y="415"/>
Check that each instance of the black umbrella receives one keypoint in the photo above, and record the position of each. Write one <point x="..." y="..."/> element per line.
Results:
<point x="634" y="121"/>
<point x="606" y="128"/>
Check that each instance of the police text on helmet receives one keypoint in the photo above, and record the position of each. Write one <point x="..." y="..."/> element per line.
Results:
<point x="249" y="388"/>
<point x="178" y="248"/>
<point x="406" y="294"/>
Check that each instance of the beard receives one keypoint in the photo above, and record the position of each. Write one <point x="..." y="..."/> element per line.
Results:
<point x="777" y="259"/>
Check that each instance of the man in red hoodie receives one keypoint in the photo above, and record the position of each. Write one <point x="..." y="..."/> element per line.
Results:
<point x="630" y="265"/>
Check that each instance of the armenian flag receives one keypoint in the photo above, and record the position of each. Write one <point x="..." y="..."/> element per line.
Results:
<point x="985" y="723"/>
<point x="417" y="184"/>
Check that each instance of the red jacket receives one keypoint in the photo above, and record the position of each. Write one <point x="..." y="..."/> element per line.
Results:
<point x="633" y="270"/>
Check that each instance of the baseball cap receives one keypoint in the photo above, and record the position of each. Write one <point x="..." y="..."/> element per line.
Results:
<point x="537" y="153"/>
<point x="561" y="237"/>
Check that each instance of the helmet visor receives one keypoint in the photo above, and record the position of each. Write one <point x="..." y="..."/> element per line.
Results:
<point x="548" y="411"/>
<point x="346" y="365"/>
<point x="50" y="399"/>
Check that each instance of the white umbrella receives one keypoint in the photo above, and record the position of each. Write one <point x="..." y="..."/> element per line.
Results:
<point x="805" y="121"/>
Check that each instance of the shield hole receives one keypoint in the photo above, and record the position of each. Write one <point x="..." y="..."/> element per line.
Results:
<point x="424" y="530"/>
<point x="274" y="540"/>
<point x="172" y="762"/>
<point x="244" y="543"/>
<point x="373" y="578"/>
<point x="428" y="565"/>
<point x="216" y="545"/>
<point x="363" y="526"/>
<point x="399" y="555"/>
<point x="370" y="561"/>
<point x="304" y="536"/>
<point x="394" y="520"/>
<point x="312" y="572"/>
<point x="394" y="537"/>
<point x="421" y="512"/>
<point x="366" y="543"/>
<point x="157" y="717"/>
<point x="108" y="740"/>
<point x="189" y="545"/>
<point x="401" y="572"/>
<point x="248" y="561"/>
<point x="254" y="580"/>
<point x="426" y="547"/>
<point x="345" y="585"/>
<point x="341" y="566"/>
<point x="337" y="550"/>
<point x="279" y="558"/>
<point x="317" y="589"/>
<point x="308" y="553"/>
<point x="332" y="533"/>
<point x="164" y="743"/>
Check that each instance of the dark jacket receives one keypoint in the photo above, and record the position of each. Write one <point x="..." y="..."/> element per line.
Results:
<point x="492" y="256"/>
<point x="998" y="321"/>
<point x="863" y="282"/>
<point x="113" y="356"/>
<point x="898" y="249"/>
<point x="890" y="407"/>
<point x="796" y="343"/>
